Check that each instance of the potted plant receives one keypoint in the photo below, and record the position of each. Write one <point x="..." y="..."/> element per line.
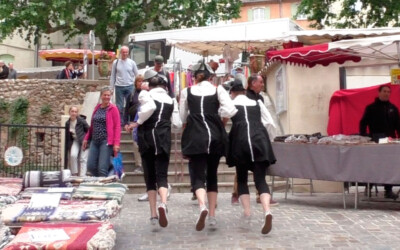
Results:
<point x="104" y="64"/>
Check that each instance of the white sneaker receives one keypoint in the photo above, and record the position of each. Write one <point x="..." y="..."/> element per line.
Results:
<point x="162" y="213"/>
<point x="144" y="197"/>
<point x="245" y="219"/>
<point x="169" y="191"/>
<point x="212" y="222"/>
<point x="267" y="223"/>
<point x="153" y="221"/>
<point x="201" y="221"/>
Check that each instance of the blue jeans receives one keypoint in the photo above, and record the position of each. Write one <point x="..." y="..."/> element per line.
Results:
<point x="121" y="93"/>
<point x="99" y="158"/>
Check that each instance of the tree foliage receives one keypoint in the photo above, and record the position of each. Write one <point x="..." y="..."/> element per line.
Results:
<point x="351" y="13"/>
<point x="112" y="20"/>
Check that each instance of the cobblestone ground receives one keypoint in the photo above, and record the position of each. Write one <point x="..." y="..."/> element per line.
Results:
<point x="300" y="222"/>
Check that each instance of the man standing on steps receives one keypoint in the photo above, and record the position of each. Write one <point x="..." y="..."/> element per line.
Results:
<point x="123" y="73"/>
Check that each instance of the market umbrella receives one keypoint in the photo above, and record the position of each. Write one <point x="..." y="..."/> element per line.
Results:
<point x="75" y="55"/>
<point x="312" y="55"/>
<point x="382" y="47"/>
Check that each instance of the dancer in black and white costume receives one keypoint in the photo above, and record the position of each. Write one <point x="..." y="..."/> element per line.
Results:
<point x="204" y="139"/>
<point x="157" y="109"/>
<point x="250" y="149"/>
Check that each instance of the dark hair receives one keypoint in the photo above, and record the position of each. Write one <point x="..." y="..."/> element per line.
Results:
<point x="201" y="75"/>
<point x="67" y="63"/>
<point x="383" y="86"/>
<point x="157" y="81"/>
<point x="251" y="79"/>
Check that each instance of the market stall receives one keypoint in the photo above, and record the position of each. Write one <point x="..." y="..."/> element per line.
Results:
<point x="53" y="209"/>
<point x="347" y="106"/>
<point x="346" y="162"/>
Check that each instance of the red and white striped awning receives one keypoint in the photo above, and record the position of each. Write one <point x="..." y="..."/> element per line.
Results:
<point x="383" y="47"/>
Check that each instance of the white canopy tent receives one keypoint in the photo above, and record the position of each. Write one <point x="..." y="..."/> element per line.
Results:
<point x="266" y="40"/>
<point x="384" y="47"/>
<point x="210" y="40"/>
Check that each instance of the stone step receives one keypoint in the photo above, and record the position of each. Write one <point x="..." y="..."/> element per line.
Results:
<point x="223" y="187"/>
<point x="176" y="177"/>
<point x="174" y="165"/>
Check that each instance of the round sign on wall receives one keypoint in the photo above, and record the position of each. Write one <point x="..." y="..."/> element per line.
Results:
<point x="13" y="156"/>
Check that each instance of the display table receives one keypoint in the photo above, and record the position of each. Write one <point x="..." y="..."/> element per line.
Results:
<point x="371" y="163"/>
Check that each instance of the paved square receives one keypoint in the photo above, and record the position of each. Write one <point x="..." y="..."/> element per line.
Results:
<point x="300" y="222"/>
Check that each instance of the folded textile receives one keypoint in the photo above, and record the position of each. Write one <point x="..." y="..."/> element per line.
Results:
<point x="28" y="192"/>
<point x="89" y="236"/>
<point x="345" y="140"/>
<point x="47" y="178"/>
<point x="5" y="200"/>
<point x="100" y="191"/>
<point x="76" y="180"/>
<point x="10" y="186"/>
<point x="67" y="210"/>
<point x="5" y="235"/>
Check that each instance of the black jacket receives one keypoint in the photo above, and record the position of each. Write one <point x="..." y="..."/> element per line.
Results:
<point x="72" y="74"/>
<point x="254" y="96"/>
<point x="382" y="120"/>
<point x="166" y="74"/>
<point x="4" y="72"/>
<point x="131" y="107"/>
<point x="81" y="129"/>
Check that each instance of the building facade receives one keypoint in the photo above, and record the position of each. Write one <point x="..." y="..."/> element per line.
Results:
<point x="257" y="10"/>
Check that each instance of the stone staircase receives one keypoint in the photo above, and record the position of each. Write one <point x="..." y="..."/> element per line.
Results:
<point x="178" y="174"/>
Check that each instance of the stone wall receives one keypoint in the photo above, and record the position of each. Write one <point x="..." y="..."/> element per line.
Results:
<point x="56" y="94"/>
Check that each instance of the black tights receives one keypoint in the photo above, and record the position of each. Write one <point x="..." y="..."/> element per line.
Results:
<point x="204" y="169"/>
<point x="259" y="172"/>
<point x="155" y="168"/>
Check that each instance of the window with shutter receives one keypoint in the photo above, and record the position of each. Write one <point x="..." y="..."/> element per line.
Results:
<point x="249" y="15"/>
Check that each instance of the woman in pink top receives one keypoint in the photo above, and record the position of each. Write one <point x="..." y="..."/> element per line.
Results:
<point x="104" y="135"/>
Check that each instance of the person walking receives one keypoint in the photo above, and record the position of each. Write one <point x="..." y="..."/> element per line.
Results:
<point x="250" y="149"/>
<point x="75" y="130"/>
<point x="12" y="73"/>
<point x="157" y="109"/>
<point x="204" y="139"/>
<point x="3" y="70"/>
<point x="159" y="68"/>
<point x="255" y="85"/>
<point x="123" y="73"/>
<point x="104" y="135"/>
<point x="131" y="109"/>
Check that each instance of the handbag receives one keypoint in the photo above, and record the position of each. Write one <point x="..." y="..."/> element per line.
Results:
<point x="118" y="166"/>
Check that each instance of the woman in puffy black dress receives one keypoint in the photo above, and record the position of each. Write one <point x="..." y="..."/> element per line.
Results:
<point x="250" y="149"/>
<point x="204" y="139"/>
<point x="157" y="110"/>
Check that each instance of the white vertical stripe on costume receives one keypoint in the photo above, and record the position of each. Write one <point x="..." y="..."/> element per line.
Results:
<point x="155" y="126"/>
<point x="248" y="132"/>
<point x="204" y="120"/>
